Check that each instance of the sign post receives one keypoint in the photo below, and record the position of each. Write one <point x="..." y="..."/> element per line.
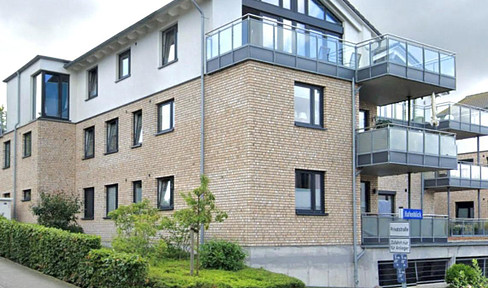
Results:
<point x="400" y="246"/>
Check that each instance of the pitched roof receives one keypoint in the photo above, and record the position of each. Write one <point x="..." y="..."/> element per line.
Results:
<point x="477" y="100"/>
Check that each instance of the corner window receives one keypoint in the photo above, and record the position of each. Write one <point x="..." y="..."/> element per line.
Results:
<point x="26" y="195"/>
<point x="309" y="192"/>
<point x="124" y="64"/>
<point x="27" y="139"/>
<point x="166" y="118"/>
<point x="308" y="105"/>
<point x="89" y="142"/>
<point x="93" y="83"/>
<point x="137" y="128"/>
<point x="51" y="95"/>
<point x="112" y="197"/>
<point x="89" y="204"/>
<point x="6" y="154"/>
<point x="113" y="136"/>
<point x="169" y="38"/>
<point x="165" y="193"/>
<point x="137" y="190"/>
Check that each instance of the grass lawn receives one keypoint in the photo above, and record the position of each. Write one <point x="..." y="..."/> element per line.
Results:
<point x="176" y="273"/>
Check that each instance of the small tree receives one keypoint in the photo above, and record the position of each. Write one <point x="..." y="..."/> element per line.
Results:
<point x="58" y="210"/>
<point x="3" y="119"/>
<point x="201" y="211"/>
<point x="137" y="225"/>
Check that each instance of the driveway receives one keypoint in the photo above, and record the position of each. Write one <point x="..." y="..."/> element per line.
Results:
<point x="13" y="275"/>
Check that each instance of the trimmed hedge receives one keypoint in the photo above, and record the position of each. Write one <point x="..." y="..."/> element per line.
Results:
<point x="52" y="251"/>
<point x="223" y="255"/>
<point x="107" y="268"/>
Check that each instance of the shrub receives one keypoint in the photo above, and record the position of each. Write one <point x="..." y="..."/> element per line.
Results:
<point x="51" y="251"/>
<point x="107" y="268"/>
<point x="223" y="255"/>
<point x="460" y="275"/>
<point x="58" y="210"/>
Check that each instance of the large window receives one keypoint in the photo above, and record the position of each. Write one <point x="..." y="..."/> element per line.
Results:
<point x="308" y="105"/>
<point x="137" y="191"/>
<point x="6" y="154"/>
<point x="112" y="136"/>
<point x="112" y="197"/>
<point x="89" y="142"/>
<point x="124" y="64"/>
<point x="309" y="192"/>
<point x="137" y="128"/>
<point x="169" y="39"/>
<point x="166" y="117"/>
<point x="51" y="95"/>
<point x="27" y="139"/>
<point x="93" y="83"/>
<point x="312" y="8"/>
<point x="89" y="204"/>
<point x="465" y="209"/>
<point x="165" y="193"/>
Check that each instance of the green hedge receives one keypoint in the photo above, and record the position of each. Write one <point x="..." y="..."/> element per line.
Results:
<point x="223" y="255"/>
<point x="49" y="250"/>
<point x="107" y="268"/>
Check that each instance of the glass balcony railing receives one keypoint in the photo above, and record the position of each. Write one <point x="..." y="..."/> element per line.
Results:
<point x="268" y="40"/>
<point x="465" y="176"/>
<point x="430" y="229"/>
<point x="393" y="144"/>
<point x="468" y="227"/>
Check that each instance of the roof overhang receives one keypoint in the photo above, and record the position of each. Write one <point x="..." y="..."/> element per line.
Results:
<point x="34" y="60"/>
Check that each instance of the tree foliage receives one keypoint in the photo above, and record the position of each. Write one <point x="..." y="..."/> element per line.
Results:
<point x="58" y="210"/>
<point x="3" y="119"/>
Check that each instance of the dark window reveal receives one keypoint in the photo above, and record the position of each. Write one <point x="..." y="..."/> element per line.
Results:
<point x="169" y="38"/>
<point x="309" y="192"/>
<point x="165" y="193"/>
<point x="124" y="64"/>
<point x="112" y="197"/>
<point x="93" y="83"/>
<point x="112" y="135"/>
<point x="89" y="142"/>
<point x="89" y="204"/>
<point x="6" y="154"/>
<point x="308" y="105"/>
<point x="27" y="144"/>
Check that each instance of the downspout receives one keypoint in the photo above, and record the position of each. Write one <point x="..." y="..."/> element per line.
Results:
<point x="354" y="214"/>
<point x="14" y="192"/>
<point x="202" y="103"/>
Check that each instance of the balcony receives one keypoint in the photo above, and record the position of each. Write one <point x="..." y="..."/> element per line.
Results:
<point x="430" y="229"/>
<point x="393" y="149"/>
<point x="466" y="176"/>
<point x="381" y="65"/>
<point x="391" y="68"/>
<point x="464" y="120"/>
<point x="468" y="227"/>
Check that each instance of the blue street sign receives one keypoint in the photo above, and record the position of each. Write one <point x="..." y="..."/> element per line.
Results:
<point x="412" y="214"/>
<point x="401" y="276"/>
<point x="400" y="261"/>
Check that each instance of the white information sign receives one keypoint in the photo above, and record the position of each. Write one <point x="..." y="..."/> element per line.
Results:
<point x="400" y="229"/>
<point x="399" y="245"/>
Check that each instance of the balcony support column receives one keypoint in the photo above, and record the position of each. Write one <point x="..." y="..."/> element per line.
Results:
<point x="479" y="163"/>
<point x="409" y="179"/>
<point x="448" y="203"/>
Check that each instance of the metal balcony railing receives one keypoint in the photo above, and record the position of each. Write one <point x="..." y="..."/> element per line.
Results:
<point x="430" y="229"/>
<point x="468" y="227"/>
<point x="410" y="147"/>
<point x="466" y="176"/>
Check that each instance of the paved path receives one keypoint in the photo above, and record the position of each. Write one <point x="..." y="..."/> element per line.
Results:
<point x="13" y="275"/>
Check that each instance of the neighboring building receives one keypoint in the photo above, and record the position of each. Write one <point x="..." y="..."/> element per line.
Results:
<point x="122" y="123"/>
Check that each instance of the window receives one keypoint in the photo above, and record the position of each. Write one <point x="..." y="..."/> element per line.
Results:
<point x="309" y="192"/>
<point x="137" y="130"/>
<point x="27" y="144"/>
<point x="166" y="117"/>
<point x="6" y="195"/>
<point x="89" y="204"/>
<point x="112" y="197"/>
<point x="465" y="209"/>
<point x="112" y="136"/>
<point x="124" y="64"/>
<point x="51" y="95"/>
<point x="308" y="105"/>
<point x="365" y="197"/>
<point x="89" y="142"/>
<point x="93" y="83"/>
<point x="419" y="271"/>
<point x="386" y="202"/>
<point x="137" y="190"/>
<point x="6" y="154"/>
<point x="169" y="38"/>
<point x="165" y="193"/>
<point x="26" y="195"/>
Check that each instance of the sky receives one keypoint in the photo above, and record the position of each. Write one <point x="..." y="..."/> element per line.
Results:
<point x="67" y="29"/>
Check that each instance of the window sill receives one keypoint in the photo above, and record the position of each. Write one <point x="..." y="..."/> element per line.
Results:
<point x="166" y="209"/>
<point x="165" y="131"/>
<point x="85" y="219"/>
<point x="23" y="157"/>
<point x="25" y="200"/>
<point x="136" y="146"/>
<point x="89" y="157"/>
<point x="111" y="152"/>
<point x="5" y="168"/>
<point x="310" y="213"/>
<point x="122" y="78"/>
<point x="167" y="64"/>
<point x="306" y="125"/>
<point x="107" y="218"/>
<point x="91" y="98"/>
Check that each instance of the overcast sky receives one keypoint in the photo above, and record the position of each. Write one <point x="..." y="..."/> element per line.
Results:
<point x="68" y="28"/>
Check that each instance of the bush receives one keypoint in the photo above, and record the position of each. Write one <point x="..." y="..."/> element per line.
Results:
<point x="223" y="255"/>
<point x="107" y="268"/>
<point x="460" y="273"/>
<point x="51" y="251"/>
<point x="58" y="210"/>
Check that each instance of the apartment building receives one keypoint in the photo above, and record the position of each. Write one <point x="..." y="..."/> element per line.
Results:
<point x="281" y="123"/>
